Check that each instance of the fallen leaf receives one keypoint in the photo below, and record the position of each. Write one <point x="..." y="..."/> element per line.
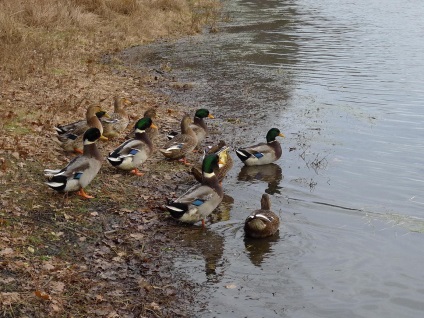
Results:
<point x="7" y="299"/>
<point x="137" y="236"/>
<point x="6" y="251"/>
<point x="57" y="287"/>
<point x="42" y="295"/>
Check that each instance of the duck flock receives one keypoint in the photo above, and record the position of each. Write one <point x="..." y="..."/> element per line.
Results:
<point x="200" y="200"/>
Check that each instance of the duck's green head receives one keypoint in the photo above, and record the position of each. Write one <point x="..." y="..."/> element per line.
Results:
<point x="203" y="113"/>
<point x="144" y="123"/>
<point x="272" y="133"/>
<point x="210" y="163"/>
<point x="91" y="135"/>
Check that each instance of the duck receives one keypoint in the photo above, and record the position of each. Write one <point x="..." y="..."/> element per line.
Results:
<point x="262" y="153"/>
<point x="226" y="164"/>
<point x="151" y="132"/>
<point x="262" y="223"/>
<point x="199" y="126"/>
<point x="200" y="200"/>
<point x="182" y="144"/>
<point x="81" y="170"/>
<point x="118" y="120"/>
<point x="134" y="152"/>
<point x="71" y="135"/>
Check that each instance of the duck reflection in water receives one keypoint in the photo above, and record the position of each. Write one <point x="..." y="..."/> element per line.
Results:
<point x="257" y="250"/>
<point x="210" y="245"/>
<point x="222" y="212"/>
<point x="271" y="173"/>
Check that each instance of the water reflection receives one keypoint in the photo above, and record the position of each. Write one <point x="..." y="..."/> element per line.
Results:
<point x="210" y="245"/>
<point x="258" y="249"/>
<point x="270" y="173"/>
<point x="222" y="212"/>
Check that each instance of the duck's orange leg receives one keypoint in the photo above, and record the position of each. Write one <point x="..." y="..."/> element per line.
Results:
<point x="184" y="161"/>
<point x="137" y="172"/>
<point x="78" y="151"/>
<point x="82" y="193"/>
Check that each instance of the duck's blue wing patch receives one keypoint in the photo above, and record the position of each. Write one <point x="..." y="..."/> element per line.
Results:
<point x="258" y="155"/>
<point x="198" y="202"/>
<point x="134" y="152"/>
<point x="77" y="175"/>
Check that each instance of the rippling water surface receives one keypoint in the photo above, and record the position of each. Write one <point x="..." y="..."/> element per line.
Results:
<point x="344" y="81"/>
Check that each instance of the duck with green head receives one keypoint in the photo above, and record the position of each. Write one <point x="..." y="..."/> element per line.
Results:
<point x="262" y="153"/>
<point x="199" y="126"/>
<point x="81" y="170"/>
<point x="226" y="162"/>
<point x="262" y="223"/>
<point x="199" y="201"/>
<point x="134" y="152"/>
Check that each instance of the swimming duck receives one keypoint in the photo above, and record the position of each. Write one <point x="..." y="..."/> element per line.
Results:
<point x="224" y="157"/>
<point x="81" y="170"/>
<point x="132" y="153"/>
<point x="199" y="126"/>
<point x="262" y="223"/>
<point x="199" y="201"/>
<point x="179" y="146"/>
<point x="119" y="119"/>
<point x="71" y="135"/>
<point x="262" y="153"/>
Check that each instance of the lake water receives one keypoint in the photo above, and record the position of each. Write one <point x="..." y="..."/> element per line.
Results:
<point x="344" y="81"/>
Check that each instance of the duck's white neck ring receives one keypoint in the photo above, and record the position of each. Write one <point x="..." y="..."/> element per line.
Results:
<point x="208" y="175"/>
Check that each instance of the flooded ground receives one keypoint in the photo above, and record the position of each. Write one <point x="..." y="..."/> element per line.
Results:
<point x="344" y="82"/>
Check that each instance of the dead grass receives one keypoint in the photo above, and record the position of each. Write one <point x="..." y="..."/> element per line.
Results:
<point x="36" y="35"/>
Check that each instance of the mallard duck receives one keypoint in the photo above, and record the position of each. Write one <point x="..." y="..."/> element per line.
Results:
<point x="224" y="157"/>
<point x="179" y="146"/>
<point x="199" y="126"/>
<point x="79" y="125"/>
<point x="132" y="153"/>
<point x="118" y="120"/>
<point x="72" y="139"/>
<point x="199" y="201"/>
<point x="262" y="223"/>
<point x="81" y="170"/>
<point x="151" y="132"/>
<point x="262" y="153"/>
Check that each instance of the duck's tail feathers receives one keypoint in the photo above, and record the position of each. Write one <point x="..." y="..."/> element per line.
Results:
<point x="171" y="134"/>
<point x="57" y="182"/>
<point x="242" y="154"/>
<point x="176" y="209"/>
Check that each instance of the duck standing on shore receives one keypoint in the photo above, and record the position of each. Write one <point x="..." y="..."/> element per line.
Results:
<point x="182" y="144"/>
<point x="71" y="135"/>
<point x="81" y="170"/>
<point x="118" y="120"/>
<point x="134" y="152"/>
<point x="226" y="162"/>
